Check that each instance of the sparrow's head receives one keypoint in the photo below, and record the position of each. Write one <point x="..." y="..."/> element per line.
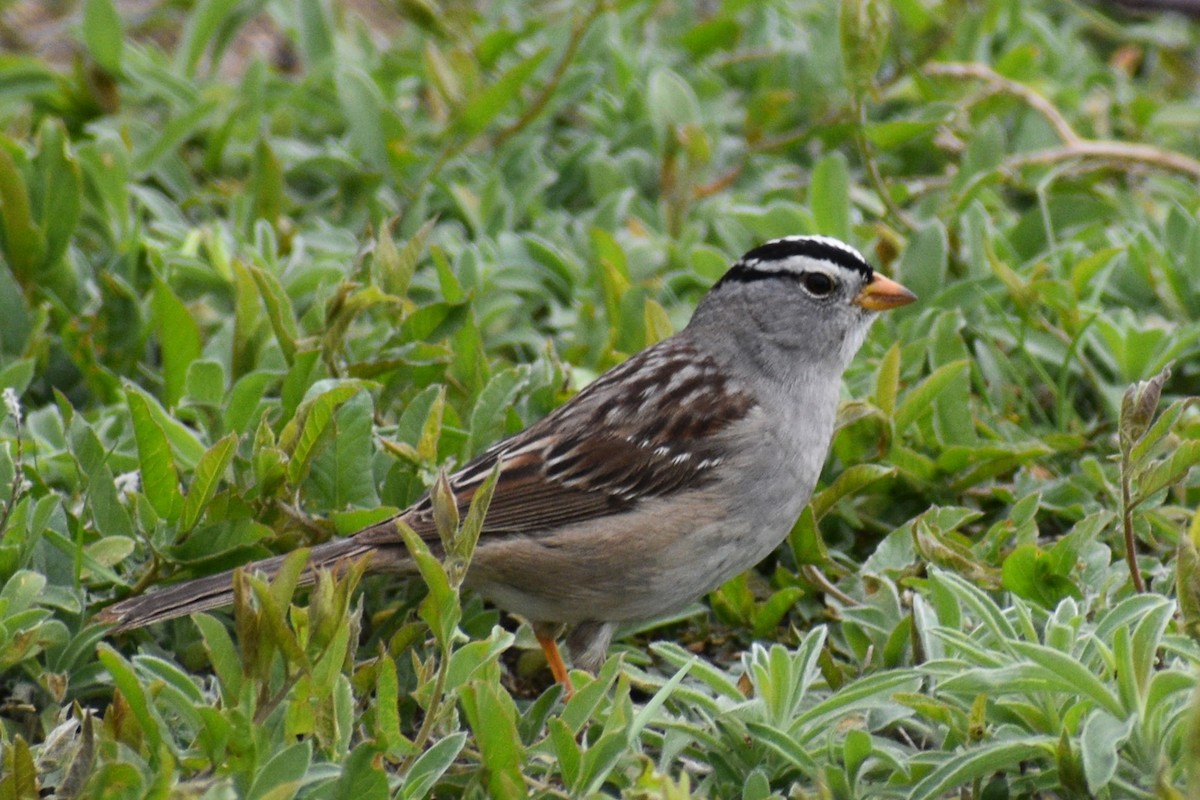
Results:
<point x="813" y="296"/>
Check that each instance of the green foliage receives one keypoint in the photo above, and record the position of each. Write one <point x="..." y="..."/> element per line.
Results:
<point x="247" y="306"/>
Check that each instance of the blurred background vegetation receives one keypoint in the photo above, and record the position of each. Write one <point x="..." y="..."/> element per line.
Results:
<point x="266" y="265"/>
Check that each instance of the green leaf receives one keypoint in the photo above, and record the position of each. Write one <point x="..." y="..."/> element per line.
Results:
<point x="783" y="745"/>
<point x="171" y="136"/>
<point x="598" y="762"/>
<point x="768" y="615"/>
<point x="282" y="775"/>
<point x="279" y="310"/>
<point x="202" y="28"/>
<point x="887" y="384"/>
<point x="855" y="750"/>
<point x="316" y="33"/>
<point x="433" y="322"/>
<point x="805" y="540"/>
<point x="566" y="751"/>
<point x="110" y="550"/>
<point x="364" y="109"/>
<point x="492" y="406"/>
<point x="657" y="322"/>
<point x="891" y="134"/>
<point x="268" y="184"/>
<point x="430" y="767"/>
<point x="341" y="474"/>
<point x="463" y="545"/>
<point x="1187" y="578"/>
<point x="102" y="34"/>
<point x="952" y="418"/>
<point x="872" y="691"/>
<point x="185" y="445"/>
<point x="918" y="401"/>
<point x="18" y="775"/>
<point x="108" y="513"/>
<point x="863" y="30"/>
<point x="222" y="655"/>
<point x="205" y="383"/>
<point x="125" y="679"/>
<point x="714" y="678"/>
<point x="481" y="109"/>
<point x="1070" y="675"/>
<point x="440" y="609"/>
<point x="386" y="708"/>
<point x="17" y="375"/>
<point x="206" y="478"/>
<point x="24" y="244"/>
<point x="924" y="263"/>
<point x="849" y="482"/>
<point x="492" y="715"/>
<point x="670" y="103"/>
<point x="362" y="777"/>
<point x="303" y="434"/>
<point x="706" y="37"/>
<point x="1167" y="472"/>
<point x="1157" y="432"/>
<point x="829" y="196"/>
<point x="179" y="339"/>
<point x="1099" y="744"/>
<point x="648" y="712"/>
<point x="1138" y="407"/>
<point x="21" y="591"/>
<point x="394" y="269"/>
<point x="160" y="477"/>
<point x="57" y="202"/>
<point x="1030" y="573"/>
<point x="961" y="768"/>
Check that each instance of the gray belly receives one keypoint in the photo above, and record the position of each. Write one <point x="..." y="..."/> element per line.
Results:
<point x="633" y="567"/>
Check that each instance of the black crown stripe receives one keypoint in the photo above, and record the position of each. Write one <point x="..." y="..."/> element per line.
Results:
<point x="756" y="264"/>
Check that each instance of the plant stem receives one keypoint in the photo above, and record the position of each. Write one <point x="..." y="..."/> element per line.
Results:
<point x="18" y="480"/>
<point x="536" y="107"/>
<point x="270" y="705"/>
<point x="1127" y="523"/>
<point x="868" y="158"/>
<point x="435" y="704"/>
<point x="1073" y="146"/>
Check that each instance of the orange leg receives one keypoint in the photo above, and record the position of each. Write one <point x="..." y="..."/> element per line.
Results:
<point x="554" y="658"/>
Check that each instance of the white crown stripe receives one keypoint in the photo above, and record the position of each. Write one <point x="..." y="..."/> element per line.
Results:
<point x="826" y="240"/>
<point x="793" y="255"/>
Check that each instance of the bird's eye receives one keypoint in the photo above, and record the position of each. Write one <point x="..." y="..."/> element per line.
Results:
<point x="817" y="283"/>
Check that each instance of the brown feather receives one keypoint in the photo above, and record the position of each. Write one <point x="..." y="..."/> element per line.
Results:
<point x="601" y="453"/>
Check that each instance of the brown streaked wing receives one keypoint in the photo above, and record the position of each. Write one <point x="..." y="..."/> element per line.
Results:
<point x="642" y="430"/>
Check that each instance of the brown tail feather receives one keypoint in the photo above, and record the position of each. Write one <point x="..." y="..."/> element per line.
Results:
<point x="215" y="591"/>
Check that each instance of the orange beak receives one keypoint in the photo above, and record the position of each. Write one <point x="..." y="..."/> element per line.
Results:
<point x="883" y="293"/>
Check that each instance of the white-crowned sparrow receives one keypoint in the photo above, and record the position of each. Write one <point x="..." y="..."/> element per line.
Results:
<point x="669" y="474"/>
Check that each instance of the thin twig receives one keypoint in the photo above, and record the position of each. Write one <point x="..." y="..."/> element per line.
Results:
<point x="1073" y="146"/>
<point x="271" y="704"/>
<point x="1127" y="523"/>
<point x="816" y="577"/>
<point x="868" y="158"/>
<point x="539" y="103"/>
<point x="149" y="576"/>
<point x="12" y="404"/>
<point x="1099" y="150"/>
<point x="435" y="705"/>
<point x="717" y="185"/>
<point x="999" y="83"/>
<point x="16" y="490"/>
